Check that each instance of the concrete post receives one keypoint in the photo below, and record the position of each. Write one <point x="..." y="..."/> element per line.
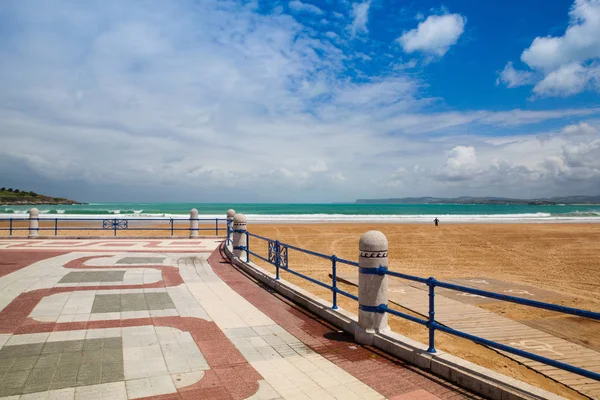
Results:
<point x="372" y="288"/>
<point x="193" y="223"/>
<point x="239" y="237"/>
<point x="230" y="214"/>
<point x="34" y="223"/>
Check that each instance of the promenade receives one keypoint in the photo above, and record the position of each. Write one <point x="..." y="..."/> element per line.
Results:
<point x="172" y="319"/>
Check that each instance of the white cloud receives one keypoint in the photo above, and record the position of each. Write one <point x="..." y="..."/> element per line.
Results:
<point x="582" y="128"/>
<point x="461" y="163"/>
<point x="567" y="80"/>
<point x="514" y="78"/>
<point x="305" y="7"/>
<point x="568" y="63"/>
<point x="320" y="166"/>
<point x="435" y="35"/>
<point x="360" y="18"/>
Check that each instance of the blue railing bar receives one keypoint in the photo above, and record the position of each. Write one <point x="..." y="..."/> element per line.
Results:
<point x="519" y="300"/>
<point x="407" y="277"/>
<point x="522" y="353"/>
<point x="353" y="263"/>
<point x="349" y="295"/>
<point x="312" y="253"/>
<point x="258" y="255"/>
<point x="403" y="315"/>
<point x="308" y="278"/>
<point x="258" y="236"/>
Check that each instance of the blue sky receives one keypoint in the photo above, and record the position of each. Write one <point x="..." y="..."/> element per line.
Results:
<point x="299" y="100"/>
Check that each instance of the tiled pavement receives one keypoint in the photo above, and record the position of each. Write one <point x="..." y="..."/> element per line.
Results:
<point x="121" y="324"/>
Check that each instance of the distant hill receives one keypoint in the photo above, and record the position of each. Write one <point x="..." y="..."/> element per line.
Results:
<point x="10" y="196"/>
<point x="484" y="200"/>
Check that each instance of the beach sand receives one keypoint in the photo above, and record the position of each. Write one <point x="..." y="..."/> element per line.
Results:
<point x="561" y="259"/>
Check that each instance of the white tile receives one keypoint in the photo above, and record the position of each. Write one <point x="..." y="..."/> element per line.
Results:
<point x="28" y="338"/>
<point x="137" y="388"/>
<point x="162" y="385"/>
<point x="35" y="396"/>
<point x="187" y="378"/>
<point x="113" y="391"/>
<point x="61" y="394"/>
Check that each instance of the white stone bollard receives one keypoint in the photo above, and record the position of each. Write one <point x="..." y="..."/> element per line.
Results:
<point x="230" y="215"/>
<point x="193" y="223"/>
<point x="240" y="240"/>
<point x="372" y="287"/>
<point x="34" y="223"/>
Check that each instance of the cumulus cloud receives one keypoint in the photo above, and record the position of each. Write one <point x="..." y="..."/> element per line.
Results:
<point x="582" y="128"/>
<point x="360" y="18"/>
<point x="568" y="64"/>
<point x="299" y="6"/>
<point x="514" y="78"/>
<point x="435" y="35"/>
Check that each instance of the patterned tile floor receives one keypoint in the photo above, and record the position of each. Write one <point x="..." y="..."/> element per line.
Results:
<point x="79" y="323"/>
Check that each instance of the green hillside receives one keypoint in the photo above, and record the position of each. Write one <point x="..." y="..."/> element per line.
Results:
<point x="10" y="196"/>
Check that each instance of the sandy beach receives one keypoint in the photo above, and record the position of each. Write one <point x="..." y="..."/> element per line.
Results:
<point x="561" y="259"/>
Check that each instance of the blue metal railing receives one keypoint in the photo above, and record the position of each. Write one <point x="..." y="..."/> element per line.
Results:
<point x="278" y="257"/>
<point x="114" y="224"/>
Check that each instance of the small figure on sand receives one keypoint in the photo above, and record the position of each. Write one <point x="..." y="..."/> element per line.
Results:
<point x="436" y="221"/>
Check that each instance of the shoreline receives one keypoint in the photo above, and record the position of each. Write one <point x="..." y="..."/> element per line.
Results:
<point x="263" y="219"/>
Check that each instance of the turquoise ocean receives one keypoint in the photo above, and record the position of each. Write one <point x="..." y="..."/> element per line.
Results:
<point x="280" y="212"/>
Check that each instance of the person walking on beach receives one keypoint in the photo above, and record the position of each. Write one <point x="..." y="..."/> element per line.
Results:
<point x="436" y="221"/>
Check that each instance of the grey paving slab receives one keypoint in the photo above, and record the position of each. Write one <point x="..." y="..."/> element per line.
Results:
<point x="104" y="303"/>
<point x="93" y="276"/>
<point x="58" y="365"/>
<point x="141" y="260"/>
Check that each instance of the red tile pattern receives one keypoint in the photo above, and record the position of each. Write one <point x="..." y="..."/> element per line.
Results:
<point x="230" y="376"/>
<point x="382" y="372"/>
<point x="11" y="261"/>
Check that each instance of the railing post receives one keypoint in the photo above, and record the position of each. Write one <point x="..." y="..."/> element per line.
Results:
<point x="334" y="280"/>
<point x="372" y="287"/>
<point x="34" y="223"/>
<point x="240" y="237"/>
<point x="55" y="226"/>
<point x="217" y="226"/>
<point x="230" y="214"/>
<point x="172" y="227"/>
<point x="115" y="226"/>
<point x="431" y="321"/>
<point x="277" y="259"/>
<point x="247" y="247"/>
<point x="193" y="223"/>
<point x="11" y="226"/>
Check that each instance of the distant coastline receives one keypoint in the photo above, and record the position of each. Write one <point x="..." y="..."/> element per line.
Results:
<point x="16" y="197"/>
<point x="465" y="200"/>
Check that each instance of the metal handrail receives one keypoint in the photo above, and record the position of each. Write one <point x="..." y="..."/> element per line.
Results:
<point x="113" y="223"/>
<point x="279" y="258"/>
